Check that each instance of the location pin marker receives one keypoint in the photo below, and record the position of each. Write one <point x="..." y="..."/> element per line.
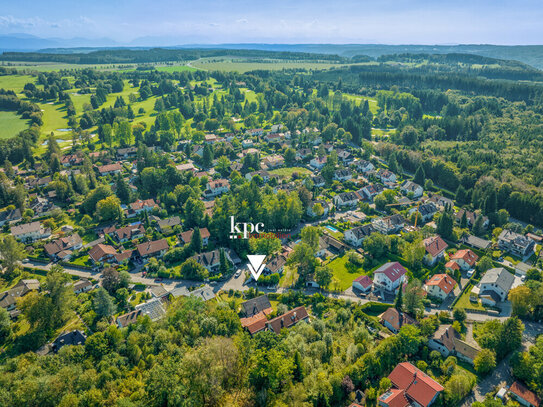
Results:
<point x="256" y="264"/>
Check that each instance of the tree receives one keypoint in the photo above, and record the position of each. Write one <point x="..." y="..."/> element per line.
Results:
<point x="109" y="208"/>
<point x="290" y="156"/>
<point x="11" y="252"/>
<point x="224" y="265"/>
<point x="192" y="270"/>
<point x="464" y="221"/>
<point x="413" y="297"/>
<point x="311" y="236"/>
<point x="111" y="280"/>
<point x="122" y="190"/>
<point x="323" y="276"/>
<point x="478" y="226"/>
<point x="318" y="210"/>
<point x="303" y="256"/>
<point x="520" y="298"/>
<point x="485" y="361"/>
<point x="207" y="158"/>
<point x="420" y="176"/>
<point x="456" y="388"/>
<point x="445" y="225"/>
<point x="459" y="314"/>
<point x="5" y="325"/>
<point x="409" y="135"/>
<point x="484" y="264"/>
<point x="196" y="241"/>
<point x="376" y="245"/>
<point x="103" y="304"/>
<point x="398" y="302"/>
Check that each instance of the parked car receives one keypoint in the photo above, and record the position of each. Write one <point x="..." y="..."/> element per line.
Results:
<point x="238" y="273"/>
<point x="470" y="273"/>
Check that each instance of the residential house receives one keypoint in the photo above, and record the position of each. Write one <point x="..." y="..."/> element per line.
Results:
<point x="140" y="206"/>
<point x="166" y="225"/>
<point x="435" y="248"/>
<point x="82" y="286"/>
<point x="363" y="284"/>
<point x="441" y="202"/>
<point x="155" y="248"/>
<point x="494" y="286"/>
<point x="440" y="286"/>
<point x="73" y="338"/>
<point x="62" y="248"/>
<point x="325" y="206"/>
<point x="318" y="181"/>
<point x="216" y="187"/>
<point x="255" y="323"/>
<point x="427" y="211"/>
<point x="371" y="191"/>
<point x="71" y="159"/>
<point x="153" y="309"/>
<point x="186" y="237"/>
<point x="10" y="216"/>
<point x="255" y="132"/>
<point x="318" y="162"/>
<point x="389" y="276"/>
<point x="386" y="176"/>
<point x="411" y="187"/>
<point x="210" y="138"/>
<point x="343" y="175"/>
<point x="344" y="156"/>
<point x="357" y="235"/>
<point x="303" y="153"/>
<point x="30" y="232"/>
<point x="515" y="243"/>
<point x="211" y="260"/>
<point x="110" y="169"/>
<point x="8" y="299"/>
<point x="276" y="264"/>
<point x="287" y="320"/>
<point x="204" y="293"/>
<point x="525" y="397"/>
<point x="186" y="167"/>
<point x="389" y="224"/>
<point x="126" y="233"/>
<point x="394" y="319"/>
<point x="470" y="217"/>
<point x="256" y="305"/>
<point x="447" y="341"/>
<point x="465" y="259"/>
<point x="329" y="246"/>
<point x="410" y="387"/>
<point x="364" y="166"/>
<point x="127" y="152"/>
<point x="476" y="242"/>
<point x="102" y="253"/>
<point x="273" y="161"/>
<point x="346" y="199"/>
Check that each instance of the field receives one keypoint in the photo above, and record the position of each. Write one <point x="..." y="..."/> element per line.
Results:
<point x="464" y="302"/>
<point x="342" y="274"/>
<point x="242" y="66"/>
<point x="15" y="82"/>
<point x="287" y="172"/>
<point x="11" y="124"/>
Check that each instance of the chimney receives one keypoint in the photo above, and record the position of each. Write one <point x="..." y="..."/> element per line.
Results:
<point x="282" y="322"/>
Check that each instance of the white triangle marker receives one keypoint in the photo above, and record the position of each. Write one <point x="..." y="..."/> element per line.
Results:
<point x="256" y="264"/>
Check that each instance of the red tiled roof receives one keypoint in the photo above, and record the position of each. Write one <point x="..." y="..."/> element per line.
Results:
<point x="288" y="319"/>
<point x="435" y="245"/>
<point x="417" y="384"/>
<point x="394" y="398"/>
<point x="256" y="323"/>
<point x="520" y="391"/>
<point x="467" y="255"/>
<point x="147" y="248"/>
<point x="101" y="250"/>
<point x="445" y="282"/>
<point x="364" y="281"/>
<point x="393" y="270"/>
<point x="452" y="265"/>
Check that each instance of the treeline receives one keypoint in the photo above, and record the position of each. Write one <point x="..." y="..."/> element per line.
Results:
<point x="120" y="56"/>
<point x="29" y="111"/>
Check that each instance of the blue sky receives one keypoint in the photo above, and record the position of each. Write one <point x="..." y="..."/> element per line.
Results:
<point x="281" y="21"/>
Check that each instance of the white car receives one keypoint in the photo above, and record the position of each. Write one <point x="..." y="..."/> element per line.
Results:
<point x="470" y="273"/>
<point x="238" y="273"/>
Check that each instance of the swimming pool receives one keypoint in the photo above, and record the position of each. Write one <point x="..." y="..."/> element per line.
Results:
<point x="333" y="229"/>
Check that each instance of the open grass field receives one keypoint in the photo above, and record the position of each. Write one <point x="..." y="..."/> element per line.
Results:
<point x="241" y="65"/>
<point x="287" y="172"/>
<point x="360" y="99"/>
<point x="464" y="302"/>
<point x="175" y="68"/>
<point x="15" y="83"/>
<point x="343" y="275"/>
<point x="289" y="277"/>
<point x="11" y="124"/>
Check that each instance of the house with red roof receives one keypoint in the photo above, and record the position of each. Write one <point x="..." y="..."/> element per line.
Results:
<point x="363" y="284"/>
<point x="440" y="286"/>
<point x="389" y="276"/>
<point x="524" y="396"/>
<point x="435" y="250"/>
<point x="410" y="387"/>
<point x="465" y="259"/>
<point x="394" y="319"/>
<point x="255" y="323"/>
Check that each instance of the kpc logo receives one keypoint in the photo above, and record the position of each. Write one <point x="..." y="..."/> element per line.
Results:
<point x="243" y="230"/>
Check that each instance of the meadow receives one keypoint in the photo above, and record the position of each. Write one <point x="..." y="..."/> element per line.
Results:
<point x="11" y="124"/>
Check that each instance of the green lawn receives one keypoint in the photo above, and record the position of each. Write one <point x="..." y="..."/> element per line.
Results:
<point x="287" y="172"/>
<point x="243" y="65"/>
<point x="15" y="83"/>
<point x="289" y="277"/>
<point x="344" y="276"/>
<point x="11" y="124"/>
<point x="464" y="302"/>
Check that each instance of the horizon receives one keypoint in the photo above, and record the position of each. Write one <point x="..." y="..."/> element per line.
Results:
<point x="214" y="22"/>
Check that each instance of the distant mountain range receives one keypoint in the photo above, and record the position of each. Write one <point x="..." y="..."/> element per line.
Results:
<point x="529" y="54"/>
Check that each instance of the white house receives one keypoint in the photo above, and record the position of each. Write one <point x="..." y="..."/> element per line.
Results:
<point x="465" y="259"/>
<point x="363" y="284"/>
<point x="389" y="276"/>
<point x="494" y="286"/>
<point x="410" y="186"/>
<point x="435" y="248"/>
<point x="364" y="166"/>
<point x="386" y="176"/>
<point x="30" y="232"/>
<point x="440" y="286"/>
<point x="342" y="175"/>
<point x="317" y="162"/>
<point x="357" y="235"/>
<point x="216" y="188"/>
<point x="346" y="199"/>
